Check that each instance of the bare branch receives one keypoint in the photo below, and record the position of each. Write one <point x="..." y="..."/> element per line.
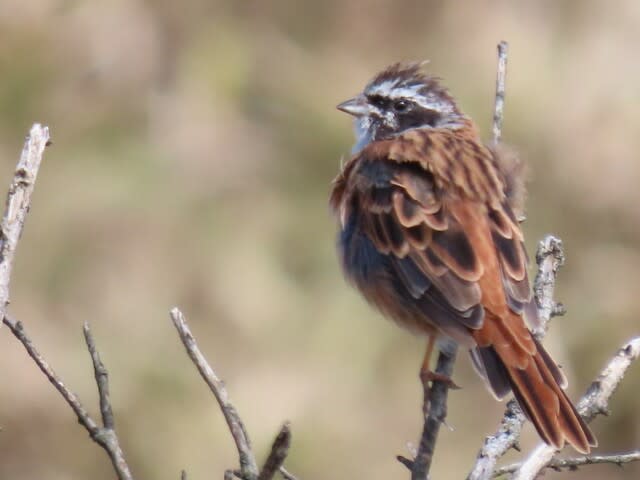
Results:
<point x="286" y="474"/>
<point x="574" y="463"/>
<point x="102" y="378"/>
<point x="496" y="445"/>
<point x="594" y="402"/>
<point x="104" y="436"/>
<point x="549" y="258"/>
<point x="248" y="465"/>
<point x="18" y="203"/>
<point x="498" y="106"/>
<point x="279" y="452"/>
<point x="71" y="398"/>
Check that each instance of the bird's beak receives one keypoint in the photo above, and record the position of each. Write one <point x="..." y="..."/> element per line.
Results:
<point x="357" y="106"/>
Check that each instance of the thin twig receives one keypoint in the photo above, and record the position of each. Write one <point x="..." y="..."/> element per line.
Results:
<point x="71" y="398"/>
<point x="102" y="379"/>
<point x="574" y="463"/>
<point x="498" y="106"/>
<point x="248" y="465"/>
<point x="104" y="436"/>
<point x="287" y="475"/>
<point x="278" y="454"/>
<point x="594" y="402"/>
<point x="18" y="203"/>
<point x="549" y="258"/>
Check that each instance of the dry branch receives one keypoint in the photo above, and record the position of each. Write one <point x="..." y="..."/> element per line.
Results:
<point x="18" y="203"/>
<point x="248" y="465"/>
<point x="574" y="463"/>
<point x="104" y="436"/>
<point x="498" y="104"/>
<point x="279" y="452"/>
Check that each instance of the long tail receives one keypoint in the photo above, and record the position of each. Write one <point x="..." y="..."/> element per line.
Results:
<point x="537" y="383"/>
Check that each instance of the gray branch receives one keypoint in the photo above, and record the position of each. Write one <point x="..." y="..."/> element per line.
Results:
<point x="549" y="258"/>
<point x="498" y="104"/>
<point x="18" y="203"/>
<point x="248" y="465"/>
<point x="279" y="452"/>
<point x="104" y="436"/>
<point x="574" y="463"/>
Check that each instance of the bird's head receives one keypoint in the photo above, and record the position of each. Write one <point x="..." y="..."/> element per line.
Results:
<point x="400" y="98"/>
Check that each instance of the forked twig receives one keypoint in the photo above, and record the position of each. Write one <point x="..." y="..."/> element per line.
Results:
<point x="104" y="435"/>
<point x="248" y="465"/>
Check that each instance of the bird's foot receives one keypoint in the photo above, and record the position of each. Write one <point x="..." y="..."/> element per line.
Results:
<point x="427" y="376"/>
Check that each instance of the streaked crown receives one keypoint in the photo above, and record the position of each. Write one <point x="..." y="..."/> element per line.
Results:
<point x="400" y="98"/>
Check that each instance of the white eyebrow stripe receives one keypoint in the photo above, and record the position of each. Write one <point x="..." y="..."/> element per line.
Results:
<point x="389" y="89"/>
<point x="384" y="88"/>
<point x="405" y="92"/>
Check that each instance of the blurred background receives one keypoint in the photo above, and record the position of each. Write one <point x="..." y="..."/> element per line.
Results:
<point x="194" y="144"/>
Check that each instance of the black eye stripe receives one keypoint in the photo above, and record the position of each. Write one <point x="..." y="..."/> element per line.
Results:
<point x="378" y="101"/>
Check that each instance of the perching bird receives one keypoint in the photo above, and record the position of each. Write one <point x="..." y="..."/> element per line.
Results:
<point x="429" y="234"/>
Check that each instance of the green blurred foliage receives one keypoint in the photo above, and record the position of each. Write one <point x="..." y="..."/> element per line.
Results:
<point x="194" y="144"/>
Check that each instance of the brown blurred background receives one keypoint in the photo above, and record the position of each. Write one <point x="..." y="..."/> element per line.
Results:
<point x="194" y="143"/>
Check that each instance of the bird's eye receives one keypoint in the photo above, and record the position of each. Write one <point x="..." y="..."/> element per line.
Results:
<point x="401" y="106"/>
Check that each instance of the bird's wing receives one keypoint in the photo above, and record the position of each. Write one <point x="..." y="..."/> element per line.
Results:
<point x="422" y="208"/>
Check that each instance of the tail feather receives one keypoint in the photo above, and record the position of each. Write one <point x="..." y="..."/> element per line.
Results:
<point x="573" y="427"/>
<point x="537" y="384"/>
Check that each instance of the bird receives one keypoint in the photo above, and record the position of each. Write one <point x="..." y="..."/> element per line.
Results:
<point x="429" y="233"/>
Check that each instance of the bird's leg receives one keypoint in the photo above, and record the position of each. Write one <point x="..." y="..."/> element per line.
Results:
<point x="426" y="374"/>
